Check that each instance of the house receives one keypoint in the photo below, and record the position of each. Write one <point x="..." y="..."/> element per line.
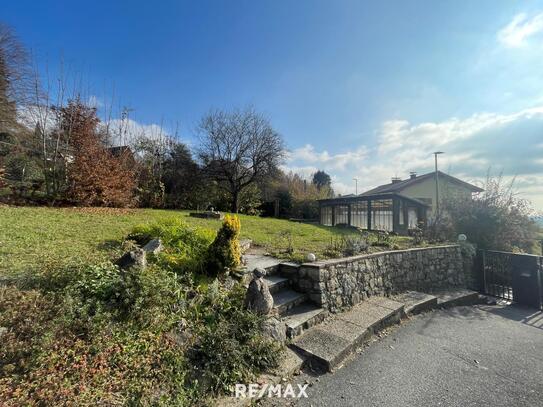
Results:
<point x="395" y="207"/>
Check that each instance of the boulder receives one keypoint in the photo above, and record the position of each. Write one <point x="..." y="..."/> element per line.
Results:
<point x="274" y="329"/>
<point x="258" y="297"/>
<point x="153" y="246"/>
<point x="259" y="272"/>
<point x="134" y="258"/>
<point x="245" y="244"/>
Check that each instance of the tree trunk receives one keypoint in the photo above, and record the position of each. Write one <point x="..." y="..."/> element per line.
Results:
<point x="235" y="198"/>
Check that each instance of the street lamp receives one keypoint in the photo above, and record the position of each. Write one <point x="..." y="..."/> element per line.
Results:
<point x="436" y="153"/>
<point x="355" y="186"/>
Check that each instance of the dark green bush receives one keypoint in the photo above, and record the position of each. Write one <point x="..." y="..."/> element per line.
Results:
<point x="229" y="348"/>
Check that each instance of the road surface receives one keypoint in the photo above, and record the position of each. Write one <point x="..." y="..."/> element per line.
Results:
<point x="465" y="356"/>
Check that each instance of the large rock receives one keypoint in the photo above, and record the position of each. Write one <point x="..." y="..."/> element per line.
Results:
<point x="133" y="259"/>
<point x="258" y="297"/>
<point x="153" y="246"/>
<point x="245" y="244"/>
<point x="274" y="329"/>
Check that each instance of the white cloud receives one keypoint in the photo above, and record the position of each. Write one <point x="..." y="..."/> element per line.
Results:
<point x="127" y="131"/>
<point x="339" y="161"/>
<point x="520" y="29"/>
<point x="399" y="134"/>
<point x="342" y="188"/>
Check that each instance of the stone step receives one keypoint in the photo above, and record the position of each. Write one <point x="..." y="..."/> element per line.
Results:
<point x="457" y="297"/>
<point x="288" y="269"/>
<point x="332" y="341"/>
<point x="303" y="317"/>
<point x="416" y="302"/>
<point x="286" y="299"/>
<point x="276" y="283"/>
<point x="270" y="264"/>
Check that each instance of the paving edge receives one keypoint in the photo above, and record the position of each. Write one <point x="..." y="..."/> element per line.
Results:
<point x="461" y="298"/>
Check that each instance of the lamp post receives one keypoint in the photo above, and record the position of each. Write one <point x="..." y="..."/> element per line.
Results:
<point x="437" y="182"/>
<point x="355" y="186"/>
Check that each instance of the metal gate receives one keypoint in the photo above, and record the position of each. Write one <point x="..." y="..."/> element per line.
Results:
<point x="513" y="277"/>
<point x="497" y="274"/>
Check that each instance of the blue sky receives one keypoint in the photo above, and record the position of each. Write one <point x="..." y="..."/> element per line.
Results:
<point x="359" y="89"/>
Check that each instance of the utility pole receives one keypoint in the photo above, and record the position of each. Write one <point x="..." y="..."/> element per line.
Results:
<point x="437" y="183"/>
<point x="355" y="186"/>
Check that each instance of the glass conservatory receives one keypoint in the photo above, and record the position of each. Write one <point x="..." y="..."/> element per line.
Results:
<point x="391" y="212"/>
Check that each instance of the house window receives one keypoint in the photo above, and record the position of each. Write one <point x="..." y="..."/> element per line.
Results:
<point x="400" y="208"/>
<point x="326" y="215"/>
<point x="342" y="215"/>
<point x="359" y="215"/>
<point x="382" y="215"/>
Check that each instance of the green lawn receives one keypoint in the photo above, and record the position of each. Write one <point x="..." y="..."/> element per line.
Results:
<point x="31" y="237"/>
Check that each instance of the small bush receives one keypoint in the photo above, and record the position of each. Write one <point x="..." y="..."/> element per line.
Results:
<point x="348" y="245"/>
<point x="225" y="253"/>
<point x="185" y="247"/>
<point x="384" y="239"/>
<point x="286" y="238"/>
<point x="229" y="349"/>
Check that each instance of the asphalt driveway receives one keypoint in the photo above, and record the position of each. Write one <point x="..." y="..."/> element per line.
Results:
<point x="465" y="356"/>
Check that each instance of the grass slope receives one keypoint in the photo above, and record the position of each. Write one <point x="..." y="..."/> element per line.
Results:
<point x="31" y="237"/>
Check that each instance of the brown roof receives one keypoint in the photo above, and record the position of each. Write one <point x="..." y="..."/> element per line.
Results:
<point x="399" y="186"/>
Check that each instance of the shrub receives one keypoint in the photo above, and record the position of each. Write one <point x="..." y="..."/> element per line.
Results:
<point x="348" y="245"/>
<point x="224" y="252"/>
<point x="229" y="349"/>
<point x="96" y="177"/>
<point x="185" y="247"/>
<point x="285" y="236"/>
<point x="497" y="219"/>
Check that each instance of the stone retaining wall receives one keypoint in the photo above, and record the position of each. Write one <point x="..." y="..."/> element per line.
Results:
<point x="341" y="283"/>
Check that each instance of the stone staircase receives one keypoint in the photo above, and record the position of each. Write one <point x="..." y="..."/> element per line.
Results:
<point x="292" y="307"/>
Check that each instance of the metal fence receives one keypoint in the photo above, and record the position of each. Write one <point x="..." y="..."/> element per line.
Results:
<point x="511" y="276"/>
<point x="497" y="274"/>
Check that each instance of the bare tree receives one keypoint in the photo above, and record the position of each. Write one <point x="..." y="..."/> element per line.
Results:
<point x="43" y="113"/>
<point x="14" y="76"/>
<point x="238" y="148"/>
